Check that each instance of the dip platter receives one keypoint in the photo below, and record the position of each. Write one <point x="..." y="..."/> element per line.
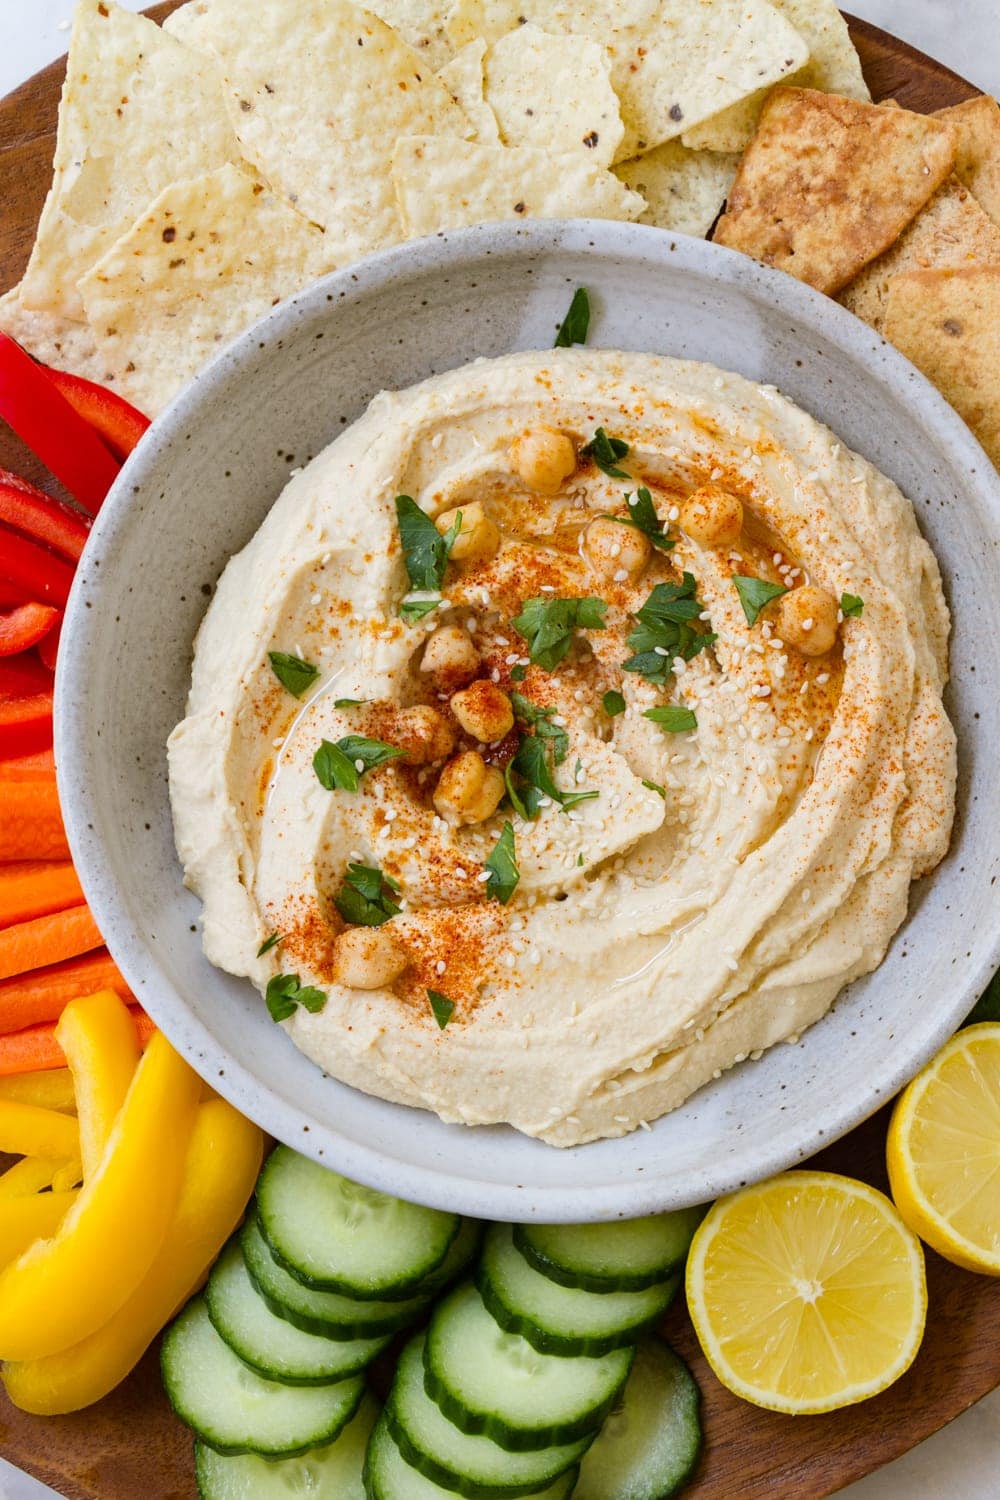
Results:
<point x="131" y="1444"/>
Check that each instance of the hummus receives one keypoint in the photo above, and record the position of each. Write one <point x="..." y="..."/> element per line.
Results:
<point x="734" y="866"/>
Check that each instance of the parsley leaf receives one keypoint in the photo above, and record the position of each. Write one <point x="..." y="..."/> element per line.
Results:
<point x="605" y="451"/>
<point x="348" y="702"/>
<point x="672" y="718"/>
<point x="613" y="704"/>
<point x="365" y="898"/>
<point x="269" y="943"/>
<point x="570" y="799"/>
<point x="336" y="764"/>
<point x="531" y="765"/>
<point x="416" y="606"/>
<point x="502" y="866"/>
<point x="442" y="1007"/>
<point x="425" y="550"/>
<point x="851" y="607"/>
<point x="524" y="800"/>
<point x="285" y="993"/>
<point x="642" y="517"/>
<point x="574" y="327"/>
<point x="654" y="786"/>
<point x="548" y="624"/>
<point x="292" y="672"/>
<point x="518" y="673"/>
<point x="755" y="593"/>
<point x="540" y="720"/>
<point x="664" y="629"/>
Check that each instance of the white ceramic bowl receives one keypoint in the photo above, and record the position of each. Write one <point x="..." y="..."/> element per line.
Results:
<point x="196" y="491"/>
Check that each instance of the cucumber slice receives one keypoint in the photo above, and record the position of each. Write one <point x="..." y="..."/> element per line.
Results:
<point x="236" y="1411"/>
<point x="649" y="1447"/>
<point x="331" y="1473"/>
<point x="472" y="1466"/>
<point x="389" y="1477"/>
<point x="337" y="1236"/>
<point x="627" y="1256"/>
<point x="491" y="1382"/>
<point x="269" y="1345"/>
<point x="559" y="1319"/>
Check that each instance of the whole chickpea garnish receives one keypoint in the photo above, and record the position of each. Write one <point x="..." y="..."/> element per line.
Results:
<point x="543" y="458"/>
<point x="478" y="537"/>
<point x="806" y="618"/>
<point x="468" y="790"/>
<point x="712" y="517"/>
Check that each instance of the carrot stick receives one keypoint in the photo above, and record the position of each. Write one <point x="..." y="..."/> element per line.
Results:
<point x="38" y="767"/>
<point x="35" y="1048"/>
<point x="31" y="825"/>
<point x="48" y="940"/>
<point x="36" y="888"/>
<point x="44" y="994"/>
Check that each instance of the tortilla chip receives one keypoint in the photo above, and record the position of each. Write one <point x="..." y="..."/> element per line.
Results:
<point x="55" y="341"/>
<point x="684" y="190"/>
<point x="554" y="92"/>
<point x="444" y="184"/>
<point x="321" y="91"/>
<point x="833" y="66"/>
<point x="674" y="63"/>
<point x="209" y="257"/>
<point x="948" y="324"/>
<point x="463" y="78"/>
<point x="952" y="231"/>
<point x="138" y="111"/>
<point x="421" y="23"/>
<point x="828" y="183"/>
<point x="977" y="160"/>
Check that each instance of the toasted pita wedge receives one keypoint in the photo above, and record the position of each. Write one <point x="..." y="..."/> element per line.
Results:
<point x="948" y="324"/>
<point x="828" y="183"/>
<point x="977" y="159"/>
<point x="950" y="232"/>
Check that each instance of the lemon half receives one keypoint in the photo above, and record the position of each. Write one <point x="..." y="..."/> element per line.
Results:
<point x="807" y="1292"/>
<point x="943" y="1150"/>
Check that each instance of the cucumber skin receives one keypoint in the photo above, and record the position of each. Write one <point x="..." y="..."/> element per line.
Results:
<point x="374" y="1493"/>
<point x="447" y="1478"/>
<point x="293" y="1380"/>
<point x="514" y="1439"/>
<point x="400" y="1292"/>
<point x="582" y="1281"/>
<point x="556" y="1343"/>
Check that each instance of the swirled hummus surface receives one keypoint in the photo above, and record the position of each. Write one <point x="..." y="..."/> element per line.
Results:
<point x="572" y="914"/>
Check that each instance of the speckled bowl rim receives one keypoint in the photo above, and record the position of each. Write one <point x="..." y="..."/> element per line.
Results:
<point x="482" y="1197"/>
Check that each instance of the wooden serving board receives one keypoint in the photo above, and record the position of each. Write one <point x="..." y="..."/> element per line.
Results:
<point x="130" y="1444"/>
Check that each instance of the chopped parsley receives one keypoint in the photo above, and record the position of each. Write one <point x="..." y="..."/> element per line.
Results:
<point x="605" y="451"/>
<point x="575" y="325"/>
<point x="504" y="874"/>
<point x="664" y="629"/>
<point x="672" y="718"/>
<point x="613" y="704"/>
<point x="348" y="702"/>
<point x="366" y="896"/>
<point x="340" y="766"/>
<point x="425" y="553"/>
<point x="654" y="786"/>
<point x="540" y="720"/>
<point x="518" y="673"/>
<point x="548" y="625"/>
<point x="292" y="672"/>
<point x="442" y="1007"/>
<point x="851" y="607"/>
<point x="269" y="943"/>
<point x="755" y="593"/>
<point x="286" y="992"/>
<point x="416" y="606"/>
<point x="528" y="776"/>
<point x="642" y="517"/>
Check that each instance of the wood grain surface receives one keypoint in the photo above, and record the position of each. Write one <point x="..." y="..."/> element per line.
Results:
<point x="130" y="1445"/>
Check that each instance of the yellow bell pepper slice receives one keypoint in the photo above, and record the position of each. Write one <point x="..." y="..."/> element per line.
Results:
<point x="31" y="1175"/>
<point x="51" y="1089"/>
<point x="222" y="1164"/>
<point x="28" y="1130"/>
<point x="70" y="1175"/>
<point x="98" y="1037"/>
<point x="33" y="1217"/>
<point x="64" y="1288"/>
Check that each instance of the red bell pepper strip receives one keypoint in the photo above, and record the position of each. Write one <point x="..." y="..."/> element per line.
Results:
<point x="44" y="577"/>
<point x="42" y="417"/>
<point x="25" y="626"/>
<point x="39" y="516"/>
<point x="48" y="646"/>
<point x="120" y="424"/>
<point x="25" y="724"/>
<point x="22" y="676"/>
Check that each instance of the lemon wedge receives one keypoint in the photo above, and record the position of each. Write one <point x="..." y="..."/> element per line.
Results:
<point x="807" y="1292"/>
<point x="943" y="1150"/>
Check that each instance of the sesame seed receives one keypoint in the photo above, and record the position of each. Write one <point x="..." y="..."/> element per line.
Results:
<point x="645" y="1125"/>
<point x="619" y="575"/>
<point x="822" y="677"/>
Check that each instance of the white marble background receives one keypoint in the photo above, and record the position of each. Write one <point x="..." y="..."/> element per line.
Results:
<point x="962" y="1461"/>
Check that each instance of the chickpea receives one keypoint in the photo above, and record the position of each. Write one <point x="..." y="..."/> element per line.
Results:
<point x="484" y="711"/>
<point x="712" y="517"/>
<point x="469" y="791"/>
<point x="479" y="537"/>
<point x="424" y="733"/>
<point x="543" y="458"/>
<point x="367" y="958"/>
<point x="450" y="659"/>
<point x="614" y="550"/>
<point x="807" y="619"/>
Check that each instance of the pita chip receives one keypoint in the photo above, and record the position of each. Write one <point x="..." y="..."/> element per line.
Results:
<point x="977" y="159"/>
